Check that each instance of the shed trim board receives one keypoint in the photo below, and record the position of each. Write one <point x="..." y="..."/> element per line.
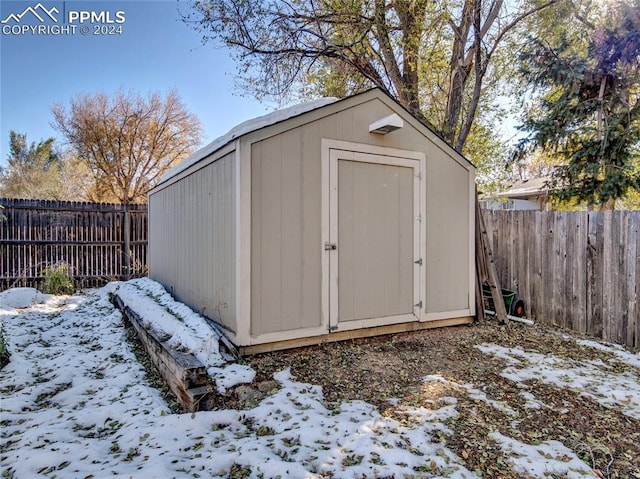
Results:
<point x="195" y="167"/>
<point x="472" y="246"/>
<point x="446" y="314"/>
<point x="280" y="344"/>
<point x="337" y="155"/>
<point x="243" y="238"/>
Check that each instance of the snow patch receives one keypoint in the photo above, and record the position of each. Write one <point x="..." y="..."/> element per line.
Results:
<point x="531" y="401"/>
<point x="76" y="404"/>
<point x="547" y="459"/>
<point x="474" y="393"/>
<point x="609" y="388"/>
<point x="231" y="375"/>
<point x="19" y="298"/>
<point x="618" y="351"/>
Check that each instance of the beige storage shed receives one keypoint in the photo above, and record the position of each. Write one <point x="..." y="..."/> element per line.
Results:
<point x="328" y="220"/>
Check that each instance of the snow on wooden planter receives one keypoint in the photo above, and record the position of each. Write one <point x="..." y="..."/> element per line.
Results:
<point x="323" y="221"/>
<point x="185" y="375"/>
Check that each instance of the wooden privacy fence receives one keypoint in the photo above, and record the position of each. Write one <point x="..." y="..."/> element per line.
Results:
<point x="99" y="242"/>
<point x="577" y="270"/>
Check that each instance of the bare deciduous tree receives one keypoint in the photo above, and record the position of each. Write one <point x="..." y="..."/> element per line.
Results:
<point x="127" y="141"/>
<point x="390" y="44"/>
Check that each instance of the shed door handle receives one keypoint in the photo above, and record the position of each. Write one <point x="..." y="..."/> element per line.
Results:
<point x="330" y="246"/>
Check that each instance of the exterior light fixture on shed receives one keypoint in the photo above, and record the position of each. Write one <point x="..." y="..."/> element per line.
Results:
<point x="386" y="125"/>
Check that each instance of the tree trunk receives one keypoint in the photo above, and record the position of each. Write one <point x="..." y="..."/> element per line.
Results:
<point x="412" y="16"/>
<point x="603" y="84"/>
<point x="460" y="67"/>
<point x="608" y="205"/>
<point x="479" y="71"/>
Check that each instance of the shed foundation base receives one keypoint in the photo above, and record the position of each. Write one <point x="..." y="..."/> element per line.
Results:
<point x="352" y="334"/>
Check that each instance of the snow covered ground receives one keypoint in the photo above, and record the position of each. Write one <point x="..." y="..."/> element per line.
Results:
<point x="74" y="404"/>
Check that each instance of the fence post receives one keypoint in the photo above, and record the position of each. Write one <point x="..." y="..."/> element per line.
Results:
<point x="127" y="243"/>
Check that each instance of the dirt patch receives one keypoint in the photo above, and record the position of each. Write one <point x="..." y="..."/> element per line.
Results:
<point x="389" y="372"/>
<point x="378" y="363"/>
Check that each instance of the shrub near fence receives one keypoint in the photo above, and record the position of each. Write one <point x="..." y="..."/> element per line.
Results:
<point x="92" y="238"/>
<point x="577" y="270"/>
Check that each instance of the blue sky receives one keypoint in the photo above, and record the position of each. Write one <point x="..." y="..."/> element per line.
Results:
<point x="155" y="52"/>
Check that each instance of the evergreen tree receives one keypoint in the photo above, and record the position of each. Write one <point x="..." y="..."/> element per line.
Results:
<point x="588" y="111"/>
<point x="32" y="171"/>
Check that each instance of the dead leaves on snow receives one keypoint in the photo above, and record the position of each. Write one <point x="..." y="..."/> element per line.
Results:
<point x="379" y="369"/>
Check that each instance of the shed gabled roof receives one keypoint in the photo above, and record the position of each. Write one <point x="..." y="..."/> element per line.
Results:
<point x="279" y="116"/>
<point x="247" y="127"/>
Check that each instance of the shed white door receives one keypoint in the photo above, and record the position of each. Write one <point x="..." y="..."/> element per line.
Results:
<point x="374" y="240"/>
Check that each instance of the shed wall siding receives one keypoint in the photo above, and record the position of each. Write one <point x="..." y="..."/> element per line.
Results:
<point x="447" y="215"/>
<point x="286" y="247"/>
<point x="351" y="124"/>
<point x="285" y="237"/>
<point x="192" y="247"/>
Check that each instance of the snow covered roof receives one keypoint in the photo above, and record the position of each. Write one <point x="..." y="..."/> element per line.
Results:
<point x="247" y="127"/>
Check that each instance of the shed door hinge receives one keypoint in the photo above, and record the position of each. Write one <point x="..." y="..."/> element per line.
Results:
<point x="419" y="305"/>
<point x="419" y="218"/>
<point x="419" y="176"/>
<point x="418" y="262"/>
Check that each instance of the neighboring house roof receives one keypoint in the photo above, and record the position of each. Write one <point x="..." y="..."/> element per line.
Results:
<point x="247" y="127"/>
<point x="527" y="188"/>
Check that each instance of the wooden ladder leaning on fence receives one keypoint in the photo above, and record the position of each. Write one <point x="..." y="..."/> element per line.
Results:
<point x="486" y="271"/>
